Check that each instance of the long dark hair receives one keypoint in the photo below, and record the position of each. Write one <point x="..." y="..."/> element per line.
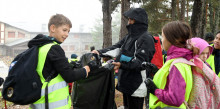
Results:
<point x="177" y="33"/>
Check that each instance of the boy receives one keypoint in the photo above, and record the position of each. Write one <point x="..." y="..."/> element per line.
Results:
<point x="53" y="63"/>
<point x="214" y="59"/>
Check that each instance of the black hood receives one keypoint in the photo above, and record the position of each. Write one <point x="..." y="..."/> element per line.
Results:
<point x="41" y="40"/>
<point x="138" y="14"/>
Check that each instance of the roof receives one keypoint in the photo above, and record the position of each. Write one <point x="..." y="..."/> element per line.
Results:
<point x="13" y="26"/>
<point x="19" y="41"/>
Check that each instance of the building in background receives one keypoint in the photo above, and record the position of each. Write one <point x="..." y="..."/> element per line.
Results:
<point x="12" y="40"/>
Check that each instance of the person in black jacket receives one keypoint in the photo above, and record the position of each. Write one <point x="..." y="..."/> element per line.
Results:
<point x="130" y="52"/>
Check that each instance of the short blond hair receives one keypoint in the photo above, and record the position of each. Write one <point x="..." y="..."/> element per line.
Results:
<point x="58" y="20"/>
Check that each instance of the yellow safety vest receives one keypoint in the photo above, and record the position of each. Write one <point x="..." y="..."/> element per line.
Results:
<point x="69" y="60"/>
<point x="211" y="62"/>
<point x="160" y="80"/>
<point x="58" y="91"/>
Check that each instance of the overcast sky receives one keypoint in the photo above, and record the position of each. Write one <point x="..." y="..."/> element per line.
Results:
<point x="31" y="14"/>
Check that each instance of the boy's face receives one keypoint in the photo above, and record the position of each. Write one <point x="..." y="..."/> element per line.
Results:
<point x="203" y="56"/>
<point x="60" y="32"/>
<point x="217" y="41"/>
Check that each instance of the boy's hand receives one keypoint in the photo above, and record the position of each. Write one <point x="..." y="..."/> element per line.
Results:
<point x="93" y="65"/>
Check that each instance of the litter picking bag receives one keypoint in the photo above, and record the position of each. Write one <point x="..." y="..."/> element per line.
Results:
<point x="97" y="90"/>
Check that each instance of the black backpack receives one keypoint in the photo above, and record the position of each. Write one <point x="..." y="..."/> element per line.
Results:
<point x="23" y="84"/>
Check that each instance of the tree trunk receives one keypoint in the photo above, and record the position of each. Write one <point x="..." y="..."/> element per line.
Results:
<point x="187" y="12"/>
<point x="182" y="13"/>
<point x="217" y="17"/>
<point x="211" y="16"/>
<point x="196" y="17"/>
<point x="173" y="11"/>
<point x="202" y="26"/>
<point x="178" y="9"/>
<point x="107" y="21"/>
<point x="125" y="5"/>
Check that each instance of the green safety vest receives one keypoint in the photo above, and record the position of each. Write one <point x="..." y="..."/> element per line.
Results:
<point x="160" y="79"/>
<point x="58" y="91"/>
<point x="69" y="60"/>
<point x="211" y="62"/>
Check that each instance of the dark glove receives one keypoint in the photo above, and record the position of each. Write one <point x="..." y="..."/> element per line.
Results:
<point x="93" y="65"/>
<point x="154" y="69"/>
<point x="150" y="85"/>
<point x="150" y="68"/>
<point x="1" y="81"/>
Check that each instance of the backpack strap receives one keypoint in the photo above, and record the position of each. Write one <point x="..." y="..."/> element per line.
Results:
<point x="46" y="89"/>
<point x="181" y="60"/>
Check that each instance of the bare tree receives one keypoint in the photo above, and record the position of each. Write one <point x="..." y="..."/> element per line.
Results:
<point x="107" y="20"/>
<point x="178" y="8"/>
<point x="125" y="5"/>
<point x="182" y="13"/>
<point x="211" y="16"/>
<point x="173" y="11"/>
<point x="196" y="16"/>
<point x="187" y="11"/>
<point x="217" y="16"/>
<point x="202" y="24"/>
<point x="214" y="15"/>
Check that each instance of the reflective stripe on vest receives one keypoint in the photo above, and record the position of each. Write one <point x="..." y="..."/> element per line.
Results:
<point x="52" y="105"/>
<point x="160" y="80"/>
<point x="54" y="87"/>
<point x="58" y="91"/>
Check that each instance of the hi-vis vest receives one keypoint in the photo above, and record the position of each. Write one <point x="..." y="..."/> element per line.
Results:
<point x="211" y="62"/>
<point x="58" y="91"/>
<point x="69" y="60"/>
<point x="160" y="79"/>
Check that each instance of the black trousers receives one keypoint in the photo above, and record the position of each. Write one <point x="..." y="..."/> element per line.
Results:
<point x="131" y="102"/>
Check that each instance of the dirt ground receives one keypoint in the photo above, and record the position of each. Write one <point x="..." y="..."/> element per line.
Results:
<point x="118" y="100"/>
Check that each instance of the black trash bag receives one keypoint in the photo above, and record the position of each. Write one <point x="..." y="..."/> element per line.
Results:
<point x="97" y="91"/>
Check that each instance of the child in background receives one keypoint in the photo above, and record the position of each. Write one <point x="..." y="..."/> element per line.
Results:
<point x="73" y="58"/>
<point x="214" y="58"/>
<point x="205" y="49"/>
